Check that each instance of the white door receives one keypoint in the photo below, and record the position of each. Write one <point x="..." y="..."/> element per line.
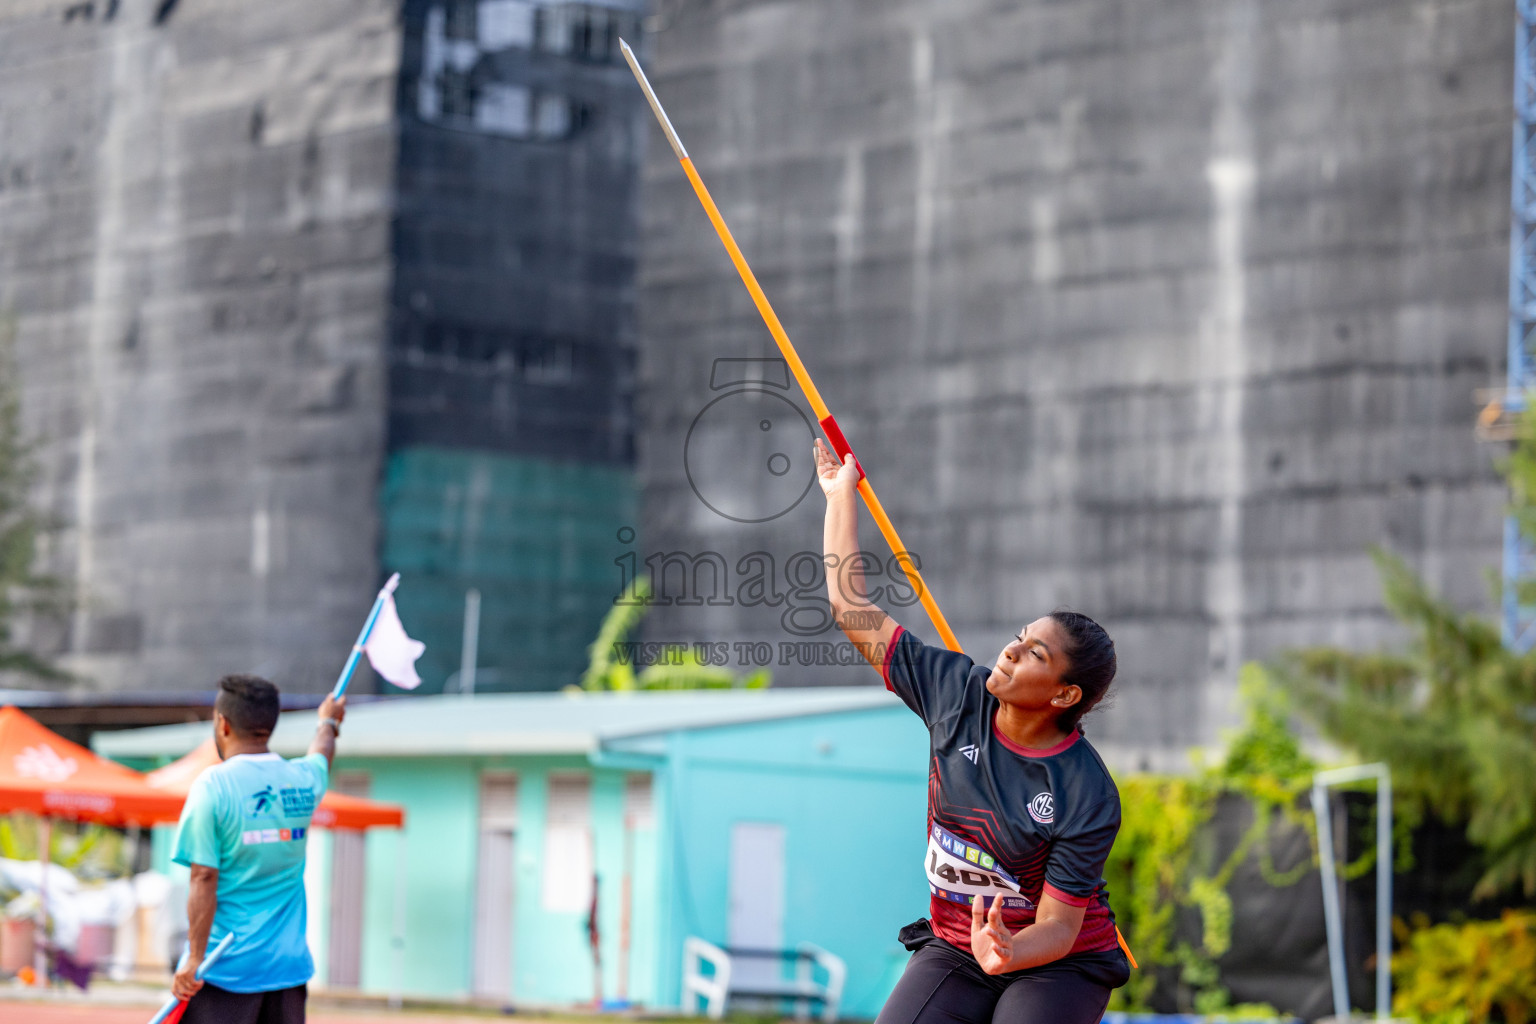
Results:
<point x="568" y="860"/>
<point x="756" y="917"/>
<point x="494" y="895"/>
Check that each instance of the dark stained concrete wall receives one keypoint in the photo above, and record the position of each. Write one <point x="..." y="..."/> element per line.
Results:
<point x="1163" y="311"/>
<point x="194" y="254"/>
<point x="248" y="267"/>
<point x="512" y="309"/>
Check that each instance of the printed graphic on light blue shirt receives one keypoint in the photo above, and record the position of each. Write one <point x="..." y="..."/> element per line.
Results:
<point x="249" y="818"/>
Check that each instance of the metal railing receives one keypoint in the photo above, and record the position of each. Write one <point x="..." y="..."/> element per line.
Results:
<point x="1333" y="914"/>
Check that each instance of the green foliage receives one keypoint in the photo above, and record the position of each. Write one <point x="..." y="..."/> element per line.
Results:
<point x="1519" y="470"/>
<point x="1149" y="870"/>
<point x="1452" y="716"/>
<point x="1160" y="864"/>
<point x="605" y="671"/>
<point x="1266" y="747"/>
<point x="90" y="851"/>
<point x="22" y="588"/>
<point x="681" y="669"/>
<point x="691" y="674"/>
<point x="1468" y="973"/>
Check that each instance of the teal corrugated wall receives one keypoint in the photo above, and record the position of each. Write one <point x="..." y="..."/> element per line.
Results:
<point x="850" y="790"/>
<point x="535" y="537"/>
<point x="551" y="959"/>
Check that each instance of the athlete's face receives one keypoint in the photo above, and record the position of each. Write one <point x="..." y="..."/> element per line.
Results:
<point x="1028" y="671"/>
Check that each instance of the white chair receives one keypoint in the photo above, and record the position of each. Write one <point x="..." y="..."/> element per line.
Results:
<point x="717" y="988"/>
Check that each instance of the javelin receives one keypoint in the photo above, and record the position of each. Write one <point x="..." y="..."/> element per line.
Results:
<point x="802" y="376"/>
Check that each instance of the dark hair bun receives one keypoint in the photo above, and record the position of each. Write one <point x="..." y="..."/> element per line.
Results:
<point x="1090" y="664"/>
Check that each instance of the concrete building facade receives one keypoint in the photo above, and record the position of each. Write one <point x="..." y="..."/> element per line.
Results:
<point x="305" y="292"/>
<point x="195" y="259"/>
<point x="1164" y="312"/>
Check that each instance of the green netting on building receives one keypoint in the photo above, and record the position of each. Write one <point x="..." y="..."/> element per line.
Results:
<point x="537" y="538"/>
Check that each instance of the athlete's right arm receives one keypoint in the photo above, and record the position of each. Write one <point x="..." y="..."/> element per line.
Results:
<point x="863" y="622"/>
<point x="198" y="846"/>
<point x="202" y="901"/>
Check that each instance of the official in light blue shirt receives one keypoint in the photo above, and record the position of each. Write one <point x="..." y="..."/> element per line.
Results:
<point x="243" y="834"/>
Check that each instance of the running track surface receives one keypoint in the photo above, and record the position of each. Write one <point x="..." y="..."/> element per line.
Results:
<point x="44" y="1013"/>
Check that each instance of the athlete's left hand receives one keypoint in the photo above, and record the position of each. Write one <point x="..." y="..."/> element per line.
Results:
<point x="991" y="942"/>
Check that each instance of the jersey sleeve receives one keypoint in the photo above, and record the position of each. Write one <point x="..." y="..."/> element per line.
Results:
<point x="197" y="834"/>
<point x="929" y="680"/>
<point x="319" y="770"/>
<point x="1074" y="869"/>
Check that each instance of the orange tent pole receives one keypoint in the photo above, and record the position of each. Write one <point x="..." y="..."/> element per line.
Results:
<point x="802" y="375"/>
<point x="44" y="861"/>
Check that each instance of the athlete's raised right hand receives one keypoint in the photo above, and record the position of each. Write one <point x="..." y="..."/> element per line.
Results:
<point x="835" y="476"/>
<point x="991" y="941"/>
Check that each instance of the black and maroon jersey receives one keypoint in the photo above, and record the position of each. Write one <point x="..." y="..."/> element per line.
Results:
<point x="1003" y="820"/>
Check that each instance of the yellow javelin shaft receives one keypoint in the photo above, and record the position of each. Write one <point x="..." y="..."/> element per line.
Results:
<point x="749" y="279"/>
<point x="787" y="348"/>
<point x="823" y="414"/>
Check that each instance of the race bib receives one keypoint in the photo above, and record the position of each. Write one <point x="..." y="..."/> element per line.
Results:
<point x="959" y="872"/>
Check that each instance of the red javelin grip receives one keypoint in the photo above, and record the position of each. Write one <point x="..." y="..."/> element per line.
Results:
<point x="839" y="442"/>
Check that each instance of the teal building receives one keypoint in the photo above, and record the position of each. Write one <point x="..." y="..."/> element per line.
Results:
<point x="748" y="818"/>
<point x="533" y="538"/>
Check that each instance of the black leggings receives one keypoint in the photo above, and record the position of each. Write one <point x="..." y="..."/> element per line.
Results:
<point x="945" y="985"/>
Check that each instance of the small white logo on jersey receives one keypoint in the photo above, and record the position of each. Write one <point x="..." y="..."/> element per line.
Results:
<point x="1043" y="809"/>
<point x="970" y="751"/>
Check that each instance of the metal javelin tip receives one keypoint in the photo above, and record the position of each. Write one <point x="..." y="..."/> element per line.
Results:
<point x="650" y="95"/>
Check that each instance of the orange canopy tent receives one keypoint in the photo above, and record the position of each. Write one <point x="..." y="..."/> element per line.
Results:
<point x="336" y="810"/>
<point x="43" y="773"/>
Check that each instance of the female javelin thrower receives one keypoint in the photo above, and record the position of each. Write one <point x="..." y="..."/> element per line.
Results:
<point x="1021" y="811"/>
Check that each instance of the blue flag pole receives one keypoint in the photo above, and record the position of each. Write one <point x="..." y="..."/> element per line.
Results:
<point x="170" y="1008"/>
<point x="362" y="638"/>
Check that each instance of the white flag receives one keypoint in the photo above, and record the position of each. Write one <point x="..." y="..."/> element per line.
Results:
<point x="391" y="653"/>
